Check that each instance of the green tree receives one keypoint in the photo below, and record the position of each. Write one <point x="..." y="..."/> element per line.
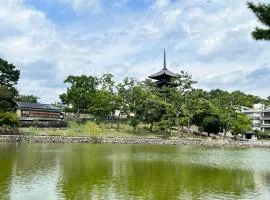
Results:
<point x="168" y="119"/>
<point x="81" y="92"/>
<point x="102" y="105"/>
<point x="9" y="75"/>
<point x="262" y="12"/>
<point x="103" y="102"/>
<point x="8" y="120"/>
<point x="151" y="111"/>
<point x="28" y="98"/>
<point x="241" y="124"/>
<point x="211" y="124"/>
<point x="7" y="99"/>
<point x="194" y="103"/>
<point x="129" y="96"/>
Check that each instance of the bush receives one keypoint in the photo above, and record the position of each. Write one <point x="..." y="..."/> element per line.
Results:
<point x="9" y="119"/>
<point x="211" y="124"/>
<point x="8" y="123"/>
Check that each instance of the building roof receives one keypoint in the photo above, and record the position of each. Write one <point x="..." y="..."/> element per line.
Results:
<point x="37" y="106"/>
<point x="164" y="71"/>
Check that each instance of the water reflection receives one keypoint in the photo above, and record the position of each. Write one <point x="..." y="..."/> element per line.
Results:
<point x="85" y="171"/>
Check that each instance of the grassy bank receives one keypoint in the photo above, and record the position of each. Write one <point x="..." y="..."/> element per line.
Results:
<point x="92" y="129"/>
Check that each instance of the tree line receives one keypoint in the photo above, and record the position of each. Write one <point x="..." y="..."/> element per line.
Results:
<point x="142" y="102"/>
<point x="165" y="107"/>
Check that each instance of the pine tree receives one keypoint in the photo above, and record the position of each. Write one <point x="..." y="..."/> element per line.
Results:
<point x="262" y="12"/>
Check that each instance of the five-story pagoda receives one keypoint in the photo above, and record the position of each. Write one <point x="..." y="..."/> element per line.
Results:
<point x="164" y="76"/>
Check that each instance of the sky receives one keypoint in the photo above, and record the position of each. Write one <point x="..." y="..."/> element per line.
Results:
<point x="51" y="39"/>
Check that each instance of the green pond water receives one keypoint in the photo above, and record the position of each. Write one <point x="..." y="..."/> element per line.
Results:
<point x="94" y="171"/>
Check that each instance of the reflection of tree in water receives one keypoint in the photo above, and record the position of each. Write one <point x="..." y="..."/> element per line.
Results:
<point x="24" y="163"/>
<point x="84" y="167"/>
<point x="104" y="171"/>
<point x="7" y="158"/>
<point x="34" y="159"/>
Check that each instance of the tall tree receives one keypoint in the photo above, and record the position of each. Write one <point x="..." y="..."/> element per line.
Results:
<point x="152" y="110"/>
<point x="194" y="103"/>
<point x="81" y="92"/>
<point x="211" y="124"/>
<point x="9" y="75"/>
<point x="103" y="103"/>
<point x="241" y="124"/>
<point x="7" y="100"/>
<point x="262" y="12"/>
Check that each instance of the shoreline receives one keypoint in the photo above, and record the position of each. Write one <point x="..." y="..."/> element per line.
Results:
<point x="132" y="140"/>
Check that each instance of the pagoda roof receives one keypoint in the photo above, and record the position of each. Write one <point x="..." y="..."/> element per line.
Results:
<point x="163" y="72"/>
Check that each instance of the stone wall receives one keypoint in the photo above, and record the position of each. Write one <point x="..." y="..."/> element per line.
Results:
<point x="132" y="140"/>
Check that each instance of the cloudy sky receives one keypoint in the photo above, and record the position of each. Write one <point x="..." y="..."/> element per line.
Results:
<point x="51" y="39"/>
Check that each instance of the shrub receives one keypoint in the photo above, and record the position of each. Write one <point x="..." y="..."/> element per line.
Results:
<point x="9" y="119"/>
<point x="8" y="123"/>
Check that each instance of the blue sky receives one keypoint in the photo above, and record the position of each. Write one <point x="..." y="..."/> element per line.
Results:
<point x="51" y="39"/>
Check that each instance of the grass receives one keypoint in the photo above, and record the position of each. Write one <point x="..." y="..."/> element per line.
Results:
<point x="92" y="129"/>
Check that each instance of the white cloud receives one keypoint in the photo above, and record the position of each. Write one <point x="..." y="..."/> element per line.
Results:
<point x="210" y="39"/>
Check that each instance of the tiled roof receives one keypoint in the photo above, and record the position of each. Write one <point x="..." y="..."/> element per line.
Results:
<point x="37" y="106"/>
<point x="163" y="71"/>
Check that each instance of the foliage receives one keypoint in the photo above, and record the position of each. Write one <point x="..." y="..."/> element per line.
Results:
<point x="207" y="121"/>
<point x="102" y="105"/>
<point x="9" y="119"/>
<point x="241" y="124"/>
<point x="151" y="110"/>
<point x="166" y="107"/>
<point x="262" y="12"/>
<point x="211" y="124"/>
<point x="263" y="134"/>
<point x="28" y="98"/>
<point x="9" y="75"/>
<point x="81" y="92"/>
<point x="7" y="99"/>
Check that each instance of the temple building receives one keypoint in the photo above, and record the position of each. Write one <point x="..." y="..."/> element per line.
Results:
<point x="164" y="76"/>
<point x="40" y="115"/>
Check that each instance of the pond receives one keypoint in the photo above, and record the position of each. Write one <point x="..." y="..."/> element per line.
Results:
<point x="103" y="171"/>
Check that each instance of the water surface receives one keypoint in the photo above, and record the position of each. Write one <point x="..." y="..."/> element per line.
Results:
<point x="94" y="171"/>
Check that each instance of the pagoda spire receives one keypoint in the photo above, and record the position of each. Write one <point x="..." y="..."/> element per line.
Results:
<point x="164" y="67"/>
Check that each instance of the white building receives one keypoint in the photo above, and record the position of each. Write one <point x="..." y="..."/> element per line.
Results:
<point x="260" y="116"/>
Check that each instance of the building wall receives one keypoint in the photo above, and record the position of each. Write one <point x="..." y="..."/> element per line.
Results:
<point x="39" y="114"/>
<point x="40" y="118"/>
<point x="260" y="117"/>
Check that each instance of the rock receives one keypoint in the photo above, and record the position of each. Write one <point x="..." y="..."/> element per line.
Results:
<point x="42" y="134"/>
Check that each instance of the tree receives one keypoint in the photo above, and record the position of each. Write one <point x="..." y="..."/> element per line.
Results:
<point x="194" y="103"/>
<point x="129" y="95"/>
<point x="7" y="100"/>
<point x="211" y="124"/>
<point x="151" y="111"/>
<point x="28" y="98"/>
<point x="168" y="119"/>
<point x="241" y="124"/>
<point x="103" y="102"/>
<point x="208" y="121"/>
<point x="8" y="121"/>
<point x="102" y="105"/>
<point x="262" y="12"/>
<point x="81" y="92"/>
<point x="9" y="75"/>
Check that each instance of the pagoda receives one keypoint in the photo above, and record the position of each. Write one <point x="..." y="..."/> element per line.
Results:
<point x="164" y="76"/>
